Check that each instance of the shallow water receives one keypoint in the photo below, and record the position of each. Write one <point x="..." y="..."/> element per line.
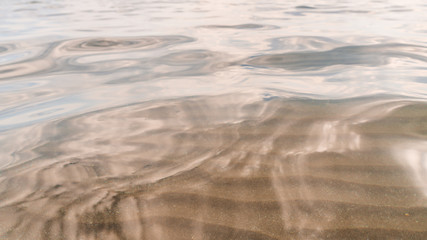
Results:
<point x="213" y="120"/>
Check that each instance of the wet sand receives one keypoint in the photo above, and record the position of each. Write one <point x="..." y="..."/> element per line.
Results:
<point x="234" y="166"/>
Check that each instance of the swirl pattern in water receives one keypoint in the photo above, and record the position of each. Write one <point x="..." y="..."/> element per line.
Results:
<point x="213" y="120"/>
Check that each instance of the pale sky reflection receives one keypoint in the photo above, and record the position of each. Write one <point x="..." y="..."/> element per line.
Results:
<point x="413" y="154"/>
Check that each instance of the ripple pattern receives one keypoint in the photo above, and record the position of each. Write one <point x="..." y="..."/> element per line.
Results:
<point x="213" y="119"/>
<point x="223" y="166"/>
<point x="370" y="56"/>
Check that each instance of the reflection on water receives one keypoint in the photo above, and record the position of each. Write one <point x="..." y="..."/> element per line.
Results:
<point x="213" y="120"/>
<point x="371" y="55"/>
<point x="230" y="165"/>
<point x="70" y="55"/>
<point x="243" y="26"/>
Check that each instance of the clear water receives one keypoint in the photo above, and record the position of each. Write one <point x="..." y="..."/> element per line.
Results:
<point x="213" y="119"/>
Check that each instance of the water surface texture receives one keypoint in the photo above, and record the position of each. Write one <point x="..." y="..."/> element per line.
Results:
<point x="142" y="119"/>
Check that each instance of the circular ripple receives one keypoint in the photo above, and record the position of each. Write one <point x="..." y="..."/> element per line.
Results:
<point x="113" y="44"/>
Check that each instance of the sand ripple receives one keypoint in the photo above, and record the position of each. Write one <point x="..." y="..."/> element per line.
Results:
<point x="228" y="167"/>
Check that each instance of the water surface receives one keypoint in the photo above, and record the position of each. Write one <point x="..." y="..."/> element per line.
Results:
<point x="213" y="120"/>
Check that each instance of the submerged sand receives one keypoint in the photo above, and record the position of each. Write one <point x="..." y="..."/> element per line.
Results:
<point x="234" y="166"/>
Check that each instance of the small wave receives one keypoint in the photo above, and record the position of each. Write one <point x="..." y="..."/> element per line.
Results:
<point x="244" y="26"/>
<point x="122" y="43"/>
<point x="303" y="43"/>
<point x="60" y="56"/>
<point x="369" y="55"/>
<point x="304" y="7"/>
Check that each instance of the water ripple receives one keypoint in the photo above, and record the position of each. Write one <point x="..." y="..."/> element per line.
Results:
<point x="120" y="44"/>
<point x="147" y="119"/>
<point x="182" y="63"/>
<point x="244" y="26"/>
<point x="289" y="167"/>
<point x="56" y="56"/>
<point x="370" y="56"/>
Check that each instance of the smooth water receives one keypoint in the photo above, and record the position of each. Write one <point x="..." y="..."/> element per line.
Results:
<point x="146" y="119"/>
